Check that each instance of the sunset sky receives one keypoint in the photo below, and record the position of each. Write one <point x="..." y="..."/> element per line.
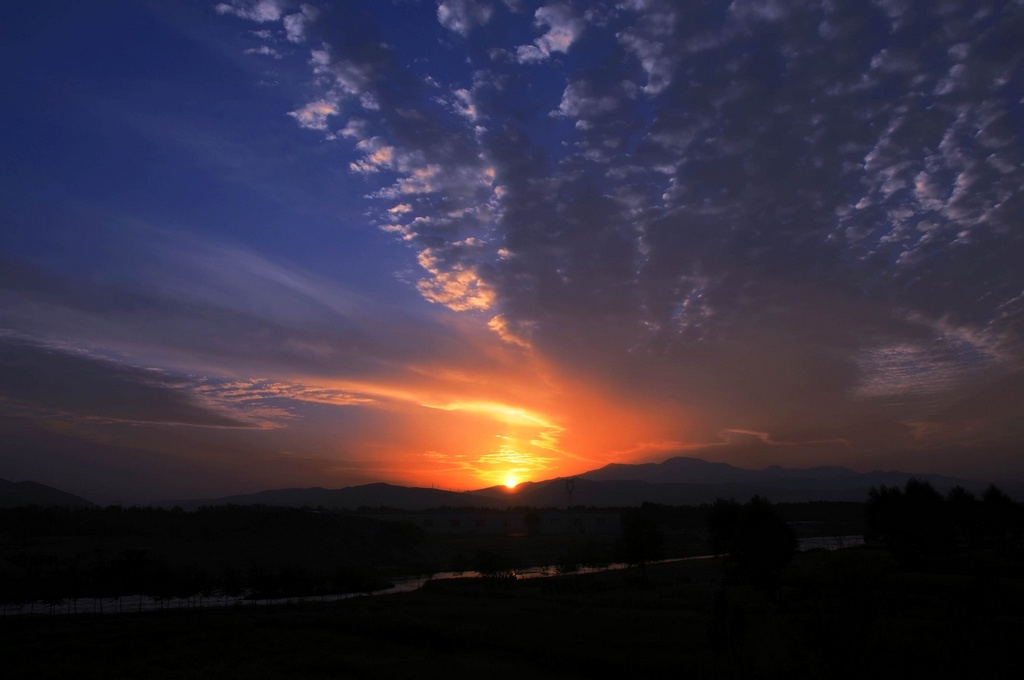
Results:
<point x="261" y="243"/>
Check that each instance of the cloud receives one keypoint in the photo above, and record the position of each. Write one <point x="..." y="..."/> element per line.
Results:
<point x="457" y="288"/>
<point x="500" y="325"/>
<point x="262" y="11"/>
<point x="145" y="464"/>
<point x="919" y="377"/>
<point x="221" y="310"/>
<point x="377" y="155"/>
<point x="756" y="140"/>
<point x="618" y="223"/>
<point x="759" y="10"/>
<point x="314" y="115"/>
<point x="528" y="447"/>
<point x="562" y="27"/>
<point x="461" y="16"/>
<point x="461" y="102"/>
<point x="989" y="416"/>
<point x="769" y="217"/>
<point x="295" y="24"/>
<point x="271" y="403"/>
<point x="246" y="345"/>
<point x="581" y="100"/>
<point x="413" y="147"/>
<point x="650" y="42"/>
<point x="722" y="182"/>
<point x="265" y="50"/>
<point x="53" y="382"/>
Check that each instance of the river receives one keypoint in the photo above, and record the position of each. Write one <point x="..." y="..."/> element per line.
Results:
<point x="145" y="603"/>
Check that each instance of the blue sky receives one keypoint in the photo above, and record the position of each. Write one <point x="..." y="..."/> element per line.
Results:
<point x="263" y="244"/>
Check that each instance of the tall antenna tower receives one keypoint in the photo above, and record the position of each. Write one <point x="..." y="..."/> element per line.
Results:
<point x="570" y="486"/>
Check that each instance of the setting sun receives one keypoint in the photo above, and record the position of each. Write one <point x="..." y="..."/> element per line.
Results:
<point x="511" y="482"/>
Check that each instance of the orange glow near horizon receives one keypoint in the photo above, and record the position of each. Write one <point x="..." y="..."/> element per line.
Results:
<point x="508" y="427"/>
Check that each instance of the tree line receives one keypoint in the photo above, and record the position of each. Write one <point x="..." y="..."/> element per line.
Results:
<point x="920" y="525"/>
<point x="60" y="555"/>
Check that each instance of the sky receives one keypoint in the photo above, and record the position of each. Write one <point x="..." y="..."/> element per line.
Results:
<point x="262" y="244"/>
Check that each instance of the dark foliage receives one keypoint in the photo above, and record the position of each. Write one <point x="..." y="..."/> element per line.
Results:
<point x="642" y="538"/>
<point x="495" y="564"/>
<point x="754" y="537"/>
<point x="919" y="526"/>
<point x="64" y="554"/>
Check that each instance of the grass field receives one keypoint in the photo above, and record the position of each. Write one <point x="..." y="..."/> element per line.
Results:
<point x="843" y="614"/>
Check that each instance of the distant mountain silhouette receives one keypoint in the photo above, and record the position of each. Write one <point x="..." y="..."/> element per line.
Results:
<point x="692" y="481"/>
<point x="676" y="481"/>
<point x="826" y="479"/>
<point x="16" y="494"/>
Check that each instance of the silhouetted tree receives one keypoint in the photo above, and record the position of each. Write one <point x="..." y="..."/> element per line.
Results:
<point x="754" y="537"/>
<point x="964" y="518"/>
<point x="641" y="539"/>
<point x="726" y="625"/>
<point x="459" y="563"/>
<point x="494" y="564"/>
<point x="567" y="562"/>
<point x="1002" y="519"/>
<point x="915" y="523"/>
<point x="593" y="556"/>
<point x="532" y="522"/>
<point x="723" y="526"/>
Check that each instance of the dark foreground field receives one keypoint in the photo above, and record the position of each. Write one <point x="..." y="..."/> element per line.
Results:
<point x="849" y="614"/>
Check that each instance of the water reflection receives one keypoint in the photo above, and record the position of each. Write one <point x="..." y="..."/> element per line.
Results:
<point x="145" y="603"/>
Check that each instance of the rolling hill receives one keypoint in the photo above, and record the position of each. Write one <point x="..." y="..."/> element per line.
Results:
<point x="16" y="494"/>
<point x="676" y="481"/>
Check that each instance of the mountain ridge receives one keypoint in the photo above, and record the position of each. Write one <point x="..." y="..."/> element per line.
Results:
<point x="679" y="480"/>
<point x="18" y="494"/>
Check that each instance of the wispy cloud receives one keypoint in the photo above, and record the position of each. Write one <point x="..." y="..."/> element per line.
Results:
<point x="49" y="381"/>
<point x="262" y="11"/>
